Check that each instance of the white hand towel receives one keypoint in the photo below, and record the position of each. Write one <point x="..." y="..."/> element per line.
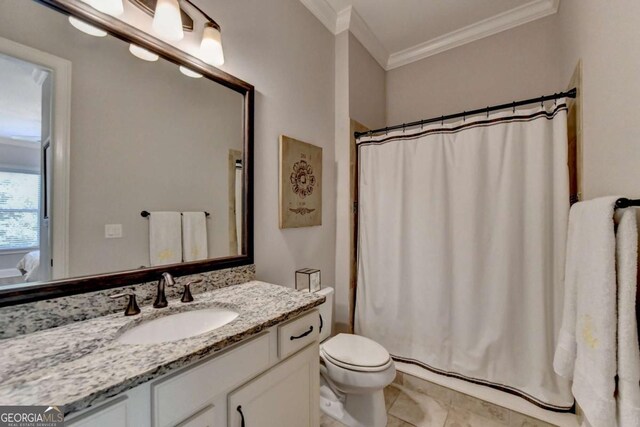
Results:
<point x="194" y="236"/>
<point x="165" y="238"/>
<point x="628" y="395"/>
<point x="586" y="349"/>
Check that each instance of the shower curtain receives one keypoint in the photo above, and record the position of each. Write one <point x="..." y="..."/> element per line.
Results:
<point x="461" y="246"/>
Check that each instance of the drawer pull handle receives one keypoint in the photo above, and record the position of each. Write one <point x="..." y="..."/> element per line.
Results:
<point x="239" y="409"/>
<point x="302" y="335"/>
<point x="321" y="322"/>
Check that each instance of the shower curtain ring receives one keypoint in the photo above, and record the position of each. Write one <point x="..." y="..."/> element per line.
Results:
<point x="464" y="116"/>
<point x="442" y="121"/>
<point x="403" y="126"/>
<point x="386" y="131"/>
<point x="514" y="107"/>
<point x="421" y="124"/>
<point x="487" y="111"/>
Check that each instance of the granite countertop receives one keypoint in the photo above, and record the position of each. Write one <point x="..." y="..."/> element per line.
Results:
<point x="81" y="363"/>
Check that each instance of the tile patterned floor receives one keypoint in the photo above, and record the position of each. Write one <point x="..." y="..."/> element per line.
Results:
<point x="412" y="402"/>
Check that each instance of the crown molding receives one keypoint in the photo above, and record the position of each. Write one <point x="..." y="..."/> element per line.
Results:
<point x="349" y="19"/>
<point x="504" y="21"/>
<point x="322" y="10"/>
<point x="363" y="33"/>
<point x="343" y="19"/>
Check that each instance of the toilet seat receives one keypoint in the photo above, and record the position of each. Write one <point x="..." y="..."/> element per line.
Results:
<point x="356" y="353"/>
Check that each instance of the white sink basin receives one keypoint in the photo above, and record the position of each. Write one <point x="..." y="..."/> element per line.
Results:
<point x="178" y="326"/>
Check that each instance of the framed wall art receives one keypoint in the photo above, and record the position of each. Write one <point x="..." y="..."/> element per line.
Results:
<point x="300" y="183"/>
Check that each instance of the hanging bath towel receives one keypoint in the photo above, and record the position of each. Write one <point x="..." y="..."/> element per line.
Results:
<point x="586" y="350"/>
<point x="628" y="393"/>
<point x="194" y="236"/>
<point x="165" y="238"/>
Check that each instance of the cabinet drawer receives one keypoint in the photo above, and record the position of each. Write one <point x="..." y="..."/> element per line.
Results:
<point x="179" y="396"/>
<point x="298" y="333"/>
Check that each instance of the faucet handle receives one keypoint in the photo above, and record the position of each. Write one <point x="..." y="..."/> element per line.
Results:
<point x="186" y="296"/>
<point x="132" y="307"/>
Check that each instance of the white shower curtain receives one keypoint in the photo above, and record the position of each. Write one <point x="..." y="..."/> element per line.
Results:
<point x="461" y="248"/>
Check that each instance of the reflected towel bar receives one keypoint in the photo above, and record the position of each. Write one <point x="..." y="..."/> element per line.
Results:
<point x="147" y="214"/>
<point x="625" y="203"/>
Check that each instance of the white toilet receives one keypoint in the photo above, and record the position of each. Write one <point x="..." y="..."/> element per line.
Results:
<point x="354" y="370"/>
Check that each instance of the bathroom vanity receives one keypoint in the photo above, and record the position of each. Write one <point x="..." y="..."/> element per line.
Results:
<point x="262" y="366"/>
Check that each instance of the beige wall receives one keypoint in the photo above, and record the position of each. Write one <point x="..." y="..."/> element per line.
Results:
<point x="143" y="137"/>
<point x="516" y="64"/>
<point x="288" y="55"/>
<point x="367" y="81"/>
<point x="606" y="36"/>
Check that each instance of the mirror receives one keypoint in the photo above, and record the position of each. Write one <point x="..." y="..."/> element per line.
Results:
<point x="112" y="164"/>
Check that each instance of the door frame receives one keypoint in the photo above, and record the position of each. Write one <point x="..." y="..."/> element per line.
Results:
<point x="60" y="70"/>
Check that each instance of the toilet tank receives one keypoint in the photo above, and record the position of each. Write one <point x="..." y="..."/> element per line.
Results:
<point x="326" y="313"/>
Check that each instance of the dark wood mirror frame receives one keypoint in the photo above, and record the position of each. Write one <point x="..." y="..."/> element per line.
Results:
<point x="58" y="288"/>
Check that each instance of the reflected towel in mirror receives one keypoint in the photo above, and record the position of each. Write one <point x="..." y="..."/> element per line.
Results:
<point x="165" y="238"/>
<point x="194" y="236"/>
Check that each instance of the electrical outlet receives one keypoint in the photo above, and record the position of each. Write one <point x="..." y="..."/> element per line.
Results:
<point x="112" y="231"/>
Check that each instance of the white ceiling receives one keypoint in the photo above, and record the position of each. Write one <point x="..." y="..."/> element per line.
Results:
<point x="398" y="32"/>
<point x="20" y="99"/>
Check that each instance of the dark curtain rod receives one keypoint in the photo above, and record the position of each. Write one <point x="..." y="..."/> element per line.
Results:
<point x="568" y="94"/>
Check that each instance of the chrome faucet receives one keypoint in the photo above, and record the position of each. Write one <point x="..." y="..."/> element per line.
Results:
<point x="161" y="298"/>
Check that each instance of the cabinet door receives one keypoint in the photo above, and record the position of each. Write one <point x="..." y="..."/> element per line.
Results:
<point x="109" y="415"/>
<point x="285" y="396"/>
<point x="204" y="418"/>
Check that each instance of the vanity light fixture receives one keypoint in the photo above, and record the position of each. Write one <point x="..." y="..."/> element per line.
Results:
<point x="142" y="53"/>
<point x="86" y="28"/>
<point x="211" y="45"/>
<point x="170" y="22"/>
<point x="189" y="72"/>
<point x="167" y="22"/>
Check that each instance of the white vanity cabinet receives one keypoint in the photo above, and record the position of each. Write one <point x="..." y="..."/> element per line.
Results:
<point x="286" y="395"/>
<point x="273" y="376"/>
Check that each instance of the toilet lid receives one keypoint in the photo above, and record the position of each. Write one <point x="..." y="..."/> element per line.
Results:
<point x="356" y="351"/>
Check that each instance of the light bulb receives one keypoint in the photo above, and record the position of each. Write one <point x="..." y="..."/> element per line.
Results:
<point x="142" y="53"/>
<point x="167" y="22"/>
<point x="211" y="45"/>
<point x="190" y="73"/>
<point x="110" y="7"/>
<point x="86" y="28"/>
